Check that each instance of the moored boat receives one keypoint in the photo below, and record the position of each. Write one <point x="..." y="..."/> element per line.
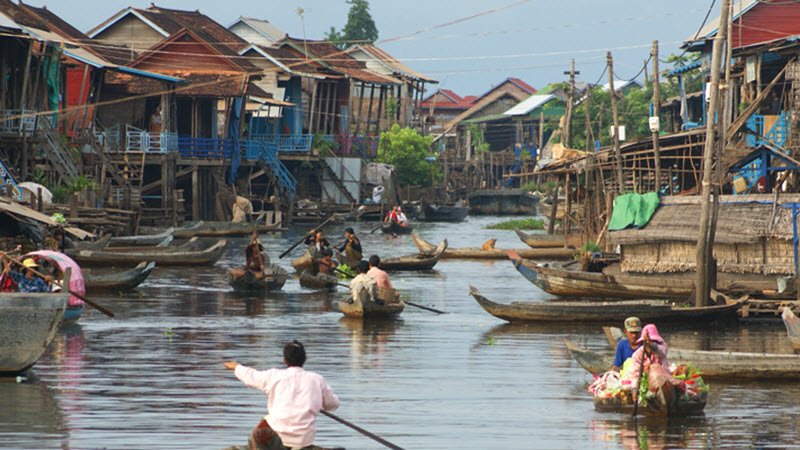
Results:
<point x="503" y="202"/>
<point x="143" y="239"/>
<point x="222" y="229"/>
<point x="390" y="306"/>
<point x="415" y="262"/>
<point x="602" y="312"/>
<point x="541" y="240"/>
<point x="113" y="279"/>
<point x="711" y="364"/>
<point x="426" y="247"/>
<point x="28" y="323"/>
<point x="318" y="281"/>
<point x="393" y="227"/>
<point x="443" y="213"/>
<point x="244" y="281"/>
<point x="194" y="253"/>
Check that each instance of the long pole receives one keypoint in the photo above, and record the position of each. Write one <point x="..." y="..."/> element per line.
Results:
<point x="656" y="113"/>
<point x="702" y="252"/>
<point x="615" y="133"/>
<point x="366" y="433"/>
<point x="570" y="102"/>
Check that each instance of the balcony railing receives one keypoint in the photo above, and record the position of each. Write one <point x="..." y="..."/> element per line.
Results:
<point x="137" y="140"/>
<point x="287" y="143"/>
<point x="205" y="148"/>
<point x="777" y="133"/>
<point x="17" y="121"/>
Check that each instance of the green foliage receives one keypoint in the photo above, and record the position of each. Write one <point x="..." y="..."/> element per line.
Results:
<point x="39" y="176"/>
<point x="518" y="224"/>
<point x="589" y="247"/>
<point x="533" y="186"/>
<point x="83" y="183"/>
<point x="391" y="108"/>
<point x="478" y="139"/>
<point x="406" y="150"/>
<point x="322" y="145"/>
<point x="348" y="272"/>
<point x="60" y="194"/>
<point x="359" y="29"/>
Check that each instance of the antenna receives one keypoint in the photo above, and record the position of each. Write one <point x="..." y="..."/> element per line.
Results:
<point x="300" y="11"/>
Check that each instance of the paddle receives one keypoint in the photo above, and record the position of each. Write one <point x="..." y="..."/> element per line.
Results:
<point x="376" y="228"/>
<point x="86" y="300"/>
<point x="416" y="305"/>
<point x="639" y="380"/>
<point x="304" y="237"/>
<point x="366" y="433"/>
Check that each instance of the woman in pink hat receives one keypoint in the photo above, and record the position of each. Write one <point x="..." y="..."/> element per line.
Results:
<point x="651" y="358"/>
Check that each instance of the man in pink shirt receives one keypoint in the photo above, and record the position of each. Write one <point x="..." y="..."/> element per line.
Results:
<point x="295" y="397"/>
<point x="381" y="278"/>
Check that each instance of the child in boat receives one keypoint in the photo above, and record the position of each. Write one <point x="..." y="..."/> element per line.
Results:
<point x="627" y="345"/>
<point x="326" y="264"/>
<point x="295" y="398"/>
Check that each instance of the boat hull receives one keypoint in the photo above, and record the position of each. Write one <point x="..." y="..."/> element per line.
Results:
<point x="541" y="240"/>
<point x="318" y="281"/>
<point x="28" y="323"/>
<point x="451" y="214"/>
<point x="117" y="280"/>
<point x="494" y="254"/>
<point x="222" y="229"/>
<point x="246" y="282"/>
<point x="415" y="262"/>
<point x="503" y="202"/>
<point x="396" y="228"/>
<point x="680" y="407"/>
<point x="183" y="256"/>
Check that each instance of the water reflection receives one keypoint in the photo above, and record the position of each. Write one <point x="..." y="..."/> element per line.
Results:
<point x="653" y="433"/>
<point x="31" y="416"/>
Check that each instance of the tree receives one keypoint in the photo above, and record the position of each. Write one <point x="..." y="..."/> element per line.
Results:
<point x="407" y="151"/>
<point x="360" y="27"/>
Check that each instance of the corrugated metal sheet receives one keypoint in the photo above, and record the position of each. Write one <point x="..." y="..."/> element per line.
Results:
<point x="349" y="171"/>
<point x="529" y="104"/>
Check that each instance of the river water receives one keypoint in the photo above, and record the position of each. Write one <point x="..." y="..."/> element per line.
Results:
<point x="153" y="378"/>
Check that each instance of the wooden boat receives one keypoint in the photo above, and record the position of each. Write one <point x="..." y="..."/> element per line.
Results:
<point x="503" y="202"/>
<point x="222" y="229"/>
<point x="363" y="308"/>
<point x="318" y="281"/>
<point x="415" y="262"/>
<point x="395" y="228"/>
<point x="28" y="323"/>
<point x="792" y="324"/>
<point x="243" y="281"/>
<point x="567" y="280"/>
<point x="427" y="248"/>
<point x="434" y="213"/>
<point x="304" y="262"/>
<point x="117" y="279"/>
<point x="195" y="253"/>
<point x="541" y="240"/>
<point x="602" y="312"/>
<point x="712" y="364"/>
<point x="682" y="406"/>
<point x="144" y="239"/>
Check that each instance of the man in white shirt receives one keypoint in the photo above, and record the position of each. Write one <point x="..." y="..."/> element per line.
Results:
<point x="295" y="397"/>
<point x="363" y="283"/>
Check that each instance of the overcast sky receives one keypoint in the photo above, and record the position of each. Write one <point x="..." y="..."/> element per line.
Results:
<point x="533" y="40"/>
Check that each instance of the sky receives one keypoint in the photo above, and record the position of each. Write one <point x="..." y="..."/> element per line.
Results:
<point x="533" y="40"/>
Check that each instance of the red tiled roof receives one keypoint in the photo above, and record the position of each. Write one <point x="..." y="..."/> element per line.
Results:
<point x="523" y="85"/>
<point x="338" y="60"/>
<point x="201" y="84"/>
<point x="172" y="20"/>
<point x="457" y="103"/>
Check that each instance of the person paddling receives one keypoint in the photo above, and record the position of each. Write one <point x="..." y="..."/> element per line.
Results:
<point x="352" y="245"/>
<point x="295" y="398"/>
<point x="27" y="281"/>
<point x="254" y="258"/>
<point x="376" y="273"/>
<point x="627" y="345"/>
<point x="363" y="283"/>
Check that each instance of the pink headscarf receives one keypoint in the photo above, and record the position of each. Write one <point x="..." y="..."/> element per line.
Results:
<point x="651" y="331"/>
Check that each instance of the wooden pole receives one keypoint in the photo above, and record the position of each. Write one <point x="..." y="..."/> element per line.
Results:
<point x="703" y="276"/>
<point x="587" y="102"/>
<point x="615" y="134"/>
<point x="541" y="135"/>
<point x="551" y="227"/>
<point x="656" y="113"/>
<point x="570" y="103"/>
<point x="568" y="207"/>
<point x="369" y="108"/>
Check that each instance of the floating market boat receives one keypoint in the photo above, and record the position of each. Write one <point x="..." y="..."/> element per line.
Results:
<point x="682" y="406"/>
<point x="390" y="306"/>
<point x="28" y="323"/>
<point x="144" y="239"/>
<point x="222" y="229"/>
<point x="602" y="312"/>
<point x="113" y="279"/>
<point x="503" y="202"/>
<point x="444" y="213"/>
<point x="244" y="281"/>
<point x="395" y="228"/>
<point x="193" y="253"/>
<point x="318" y="281"/>
<point x="711" y="364"/>
<point x="55" y="264"/>
<point x="427" y="248"/>
<point x="541" y="240"/>
<point x="415" y="262"/>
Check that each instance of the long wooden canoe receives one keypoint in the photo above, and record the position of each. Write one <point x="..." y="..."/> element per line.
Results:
<point x="360" y="308"/>
<point x="244" y="281"/>
<point x="114" y="279"/>
<point x="196" y="254"/>
<point x="415" y="262"/>
<point x="602" y="312"/>
<point x="395" y="228"/>
<point x="222" y="229"/>
<point x="28" y="323"/>
<point x="318" y="281"/>
<point x="144" y="239"/>
<point x="434" y="213"/>
<point x="426" y="247"/>
<point x="711" y="364"/>
<point x="541" y="240"/>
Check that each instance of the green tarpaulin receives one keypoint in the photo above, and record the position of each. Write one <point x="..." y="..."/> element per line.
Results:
<point x="633" y="209"/>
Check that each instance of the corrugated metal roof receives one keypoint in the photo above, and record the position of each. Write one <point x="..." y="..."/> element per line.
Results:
<point x="620" y="84"/>
<point x="147" y="74"/>
<point x="686" y="68"/>
<point x="263" y="28"/>
<point x="739" y="7"/>
<point x="391" y="62"/>
<point x="529" y="104"/>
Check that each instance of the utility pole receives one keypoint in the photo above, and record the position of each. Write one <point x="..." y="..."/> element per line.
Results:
<point x="587" y="102"/>
<point x="615" y="134"/>
<point x="570" y="102"/>
<point x="703" y="258"/>
<point x="656" y="114"/>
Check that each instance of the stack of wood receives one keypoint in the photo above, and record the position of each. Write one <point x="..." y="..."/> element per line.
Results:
<point x="96" y="220"/>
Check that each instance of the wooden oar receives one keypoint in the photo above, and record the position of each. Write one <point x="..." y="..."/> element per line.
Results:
<point x="86" y="300"/>
<point x="376" y="228"/>
<point x="366" y="433"/>
<point x="416" y="305"/>
<point x="336" y="269"/>
<point x="304" y="237"/>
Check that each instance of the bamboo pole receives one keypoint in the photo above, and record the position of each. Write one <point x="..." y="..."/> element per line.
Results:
<point x="570" y="102"/>
<point x="615" y="134"/>
<point x="703" y="261"/>
<point x="656" y="113"/>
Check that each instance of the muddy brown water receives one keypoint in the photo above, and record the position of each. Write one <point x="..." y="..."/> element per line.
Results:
<point x="153" y="378"/>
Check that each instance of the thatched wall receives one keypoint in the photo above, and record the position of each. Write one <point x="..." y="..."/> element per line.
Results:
<point x="773" y="256"/>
